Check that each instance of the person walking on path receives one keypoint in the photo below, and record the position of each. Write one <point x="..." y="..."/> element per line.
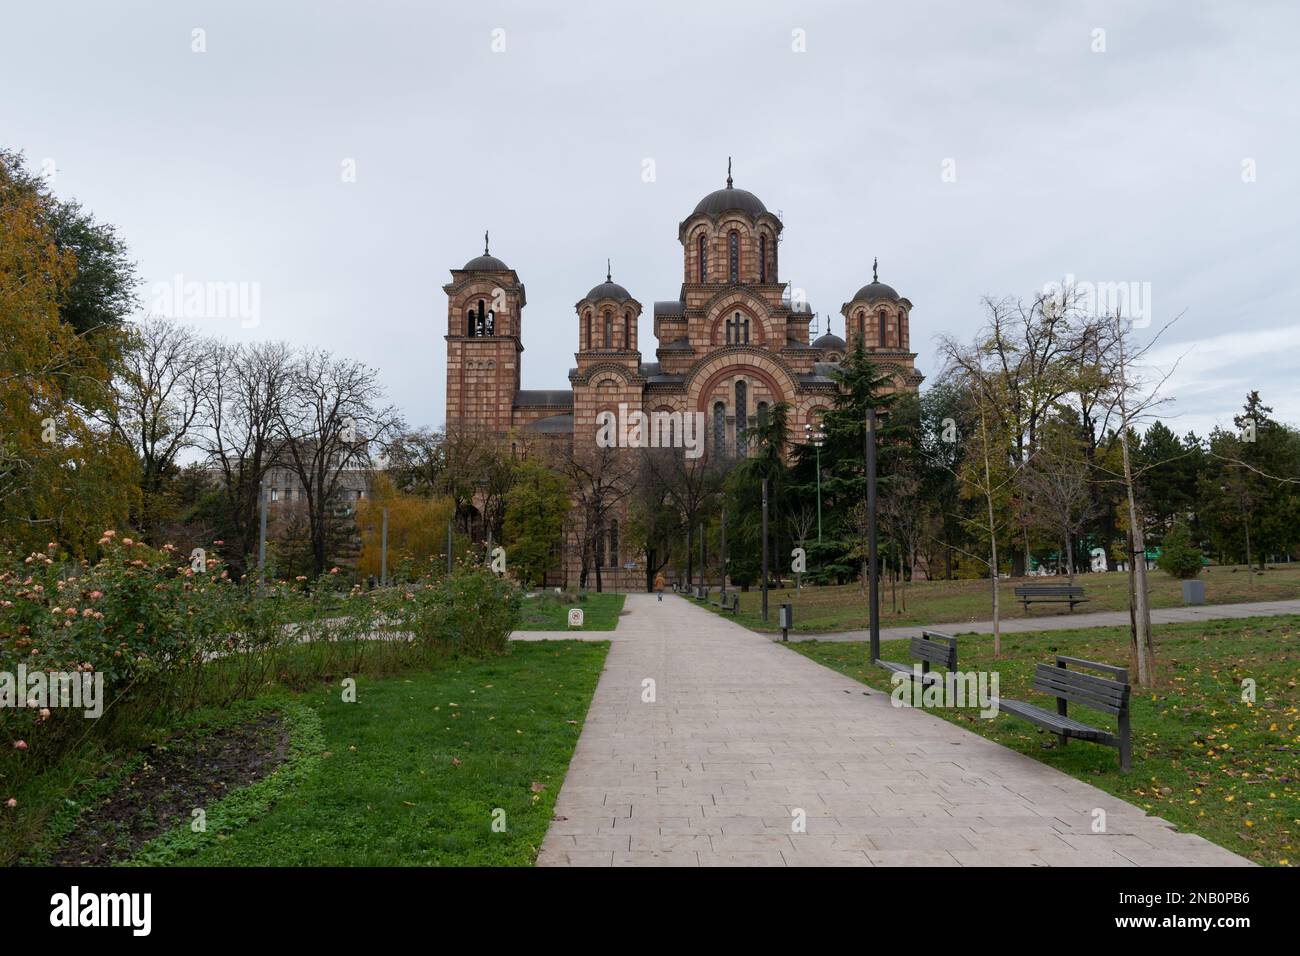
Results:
<point x="659" y="585"/>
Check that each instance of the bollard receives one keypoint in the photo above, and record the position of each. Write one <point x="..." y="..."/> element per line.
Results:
<point x="786" y="616"/>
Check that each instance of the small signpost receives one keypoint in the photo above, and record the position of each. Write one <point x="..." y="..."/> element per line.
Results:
<point x="575" y="617"/>
<point x="785" y="615"/>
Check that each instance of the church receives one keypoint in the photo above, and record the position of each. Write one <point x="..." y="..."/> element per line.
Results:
<point x="731" y="344"/>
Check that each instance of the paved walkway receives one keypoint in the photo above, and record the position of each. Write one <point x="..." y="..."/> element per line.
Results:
<point x="744" y="732"/>
<point x="1020" y="624"/>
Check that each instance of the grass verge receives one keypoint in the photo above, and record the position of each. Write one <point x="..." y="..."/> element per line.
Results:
<point x="936" y="603"/>
<point x="419" y="768"/>
<point x="548" y="611"/>
<point x="1203" y="759"/>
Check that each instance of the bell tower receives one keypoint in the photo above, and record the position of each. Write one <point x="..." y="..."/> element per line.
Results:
<point x="485" y="304"/>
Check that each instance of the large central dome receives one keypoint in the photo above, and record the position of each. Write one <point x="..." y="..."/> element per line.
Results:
<point x="729" y="199"/>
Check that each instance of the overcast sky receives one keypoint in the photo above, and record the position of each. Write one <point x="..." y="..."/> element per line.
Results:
<point x="1132" y="164"/>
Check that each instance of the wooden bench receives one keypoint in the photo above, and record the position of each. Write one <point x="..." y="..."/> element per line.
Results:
<point x="1049" y="594"/>
<point x="1108" y="695"/>
<point x="930" y="648"/>
<point x="728" y="602"/>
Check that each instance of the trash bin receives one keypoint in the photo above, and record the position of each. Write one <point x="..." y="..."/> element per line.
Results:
<point x="1194" y="591"/>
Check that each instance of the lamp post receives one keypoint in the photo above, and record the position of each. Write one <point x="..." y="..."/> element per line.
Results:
<point x="873" y="601"/>
<point x="817" y="436"/>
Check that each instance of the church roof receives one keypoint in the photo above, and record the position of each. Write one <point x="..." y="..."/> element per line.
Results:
<point x="728" y="199"/>
<point x="552" y="424"/>
<point x="485" y="264"/>
<point x="541" y="397"/>
<point x="609" y="290"/>
<point x="670" y="307"/>
<point x="876" y="290"/>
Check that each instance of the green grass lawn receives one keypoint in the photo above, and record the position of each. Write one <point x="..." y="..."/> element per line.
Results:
<point x="844" y="607"/>
<point x="1202" y="758"/>
<point x="547" y="612"/>
<point x="412" y="773"/>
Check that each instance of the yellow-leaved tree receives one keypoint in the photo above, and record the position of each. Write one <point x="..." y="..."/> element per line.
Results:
<point x="63" y="477"/>
<point x="417" y="529"/>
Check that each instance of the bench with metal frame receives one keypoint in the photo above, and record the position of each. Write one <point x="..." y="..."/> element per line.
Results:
<point x="1070" y="594"/>
<point x="1108" y="695"/>
<point x="932" y="647"/>
<point x="728" y="602"/>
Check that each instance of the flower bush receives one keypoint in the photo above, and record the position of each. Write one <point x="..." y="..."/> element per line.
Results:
<point x="169" y="635"/>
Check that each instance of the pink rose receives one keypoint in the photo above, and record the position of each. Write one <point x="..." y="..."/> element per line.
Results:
<point x="20" y="745"/>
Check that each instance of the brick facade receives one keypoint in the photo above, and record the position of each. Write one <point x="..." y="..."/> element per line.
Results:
<point x="730" y="344"/>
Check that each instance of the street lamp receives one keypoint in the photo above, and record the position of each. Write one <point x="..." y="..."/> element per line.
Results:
<point x="817" y="436"/>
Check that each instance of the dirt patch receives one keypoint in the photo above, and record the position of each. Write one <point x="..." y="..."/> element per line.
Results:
<point x="189" y="771"/>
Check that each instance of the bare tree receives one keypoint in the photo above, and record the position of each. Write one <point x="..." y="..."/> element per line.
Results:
<point x="601" y="478"/>
<point x="246" y="387"/>
<point x="331" y="424"/>
<point x="801" y="523"/>
<point x="1022" y="363"/>
<point x="160" y="393"/>
<point x="1059" y="493"/>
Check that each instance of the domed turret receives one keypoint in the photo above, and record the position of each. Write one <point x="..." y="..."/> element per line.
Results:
<point x="485" y="262"/>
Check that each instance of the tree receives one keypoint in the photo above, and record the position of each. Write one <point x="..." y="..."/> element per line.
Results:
<point x="1060" y="500"/>
<point x="1251" y="485"/>
<point x="1179" y="557"/>
<point x="63" y="478"/>
<point x="601" y="478"/>
<point x="247" y="389"/>
<point x="534" y="521"/>
<point x="159" y="402"/>
<point x="691" y="487"/>
<point x="416" y="529"/>
<point x="1023" y="362"/>
<point x="330" y="424"/>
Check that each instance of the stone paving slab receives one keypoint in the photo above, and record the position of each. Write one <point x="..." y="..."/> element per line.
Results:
<point x="743" y="733"/>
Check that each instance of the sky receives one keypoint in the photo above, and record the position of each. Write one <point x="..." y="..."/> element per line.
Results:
<point x="333" y="161"/>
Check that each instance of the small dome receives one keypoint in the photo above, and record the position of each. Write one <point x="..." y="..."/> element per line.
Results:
<point x="830" y="342"/>
<point x="485" y="263"/>
<point x="609" y="290"/>
<point x="729" y="199"/>
<point x="876" y="290"/>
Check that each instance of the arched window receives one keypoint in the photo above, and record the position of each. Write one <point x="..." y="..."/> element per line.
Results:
<point x="719" y="429"/>
<point x="762" y="258"/>
<point x="627" y="330"/>
<point x="862" y="328"/>
<point x="588" y="323"/>
<point x="491" y="322"/>
<point x="762" y="415"/>
<point x="733" y="246"/>
<point x="742" y="412"/>
<point x="613" y="543"/>
<point x="882" y="328"/>
<point x="609" y="330"/>
<point x="704" y="257"/>
<point x="600" y="546"/>
<point x="480" y="326"/>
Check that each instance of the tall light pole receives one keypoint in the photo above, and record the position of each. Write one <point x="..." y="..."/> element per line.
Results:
<point x="869" y="441"/>
<point x="263" y="494"/>
<point x="818" y="438"/>
<point x="764" y="550"/>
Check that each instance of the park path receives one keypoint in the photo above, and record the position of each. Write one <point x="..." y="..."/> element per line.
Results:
<point x="743" y="732"/>
<point x="1069" y="622"/>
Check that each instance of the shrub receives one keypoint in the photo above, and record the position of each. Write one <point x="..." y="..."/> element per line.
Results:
<point x="1179" y="556"/>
